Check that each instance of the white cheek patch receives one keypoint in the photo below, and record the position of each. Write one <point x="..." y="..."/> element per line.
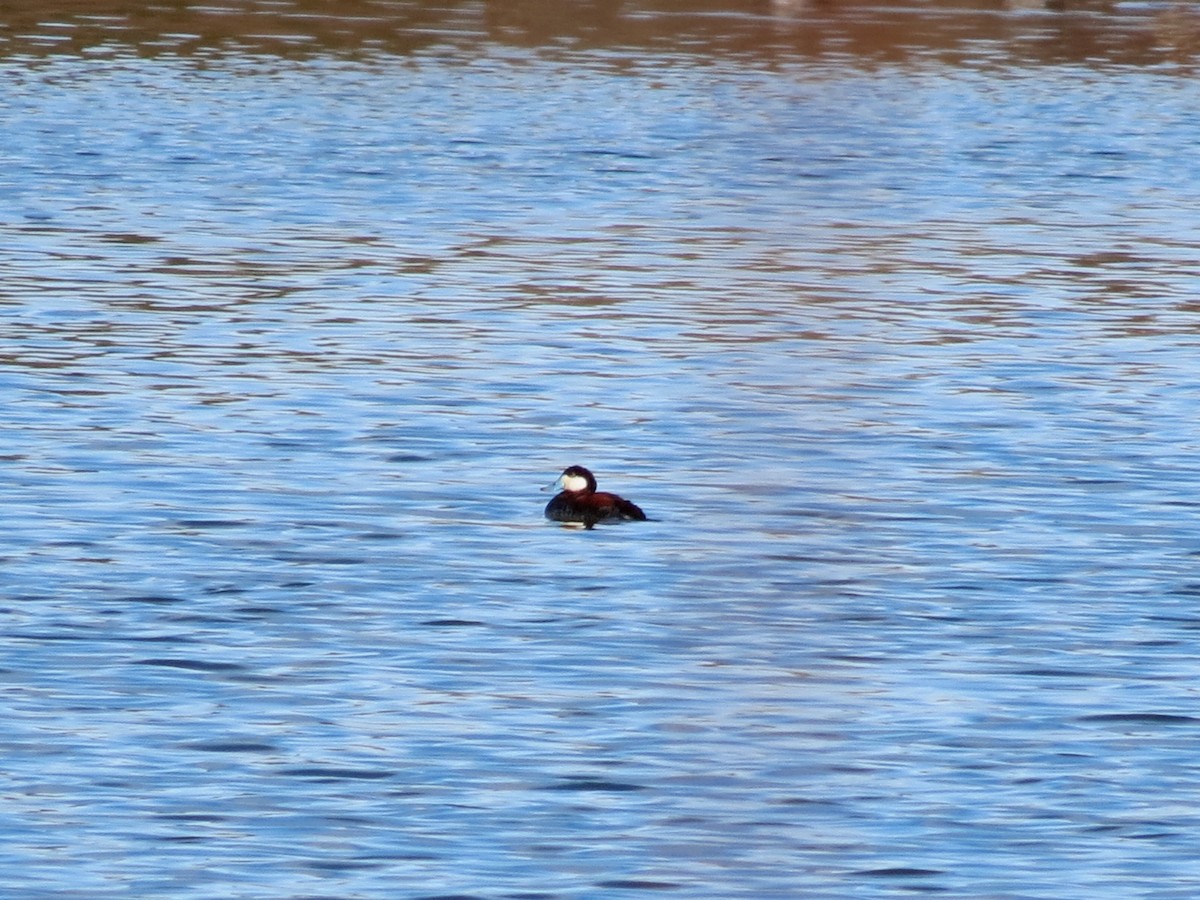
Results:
<point x="573" y="482"/>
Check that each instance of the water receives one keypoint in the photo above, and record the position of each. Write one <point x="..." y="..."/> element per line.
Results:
<point x="886" y="315"/>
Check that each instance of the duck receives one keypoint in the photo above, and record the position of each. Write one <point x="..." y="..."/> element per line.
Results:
<point x="578" y="501"/>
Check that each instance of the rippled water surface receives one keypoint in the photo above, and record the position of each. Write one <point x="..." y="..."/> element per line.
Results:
<point x="888" y="316"/>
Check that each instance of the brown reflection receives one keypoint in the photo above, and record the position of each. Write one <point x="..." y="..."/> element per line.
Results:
<point x="1000" y="30"/>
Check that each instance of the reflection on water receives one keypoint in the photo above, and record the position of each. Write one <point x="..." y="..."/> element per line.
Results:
<point x="893" y="337"/>
<point x="1056" y="31"/>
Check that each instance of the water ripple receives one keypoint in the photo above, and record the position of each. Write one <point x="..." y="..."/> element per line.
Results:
<point x="893" y="338"/>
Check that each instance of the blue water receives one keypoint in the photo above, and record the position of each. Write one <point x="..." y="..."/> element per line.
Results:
<point x="897" y="350"/>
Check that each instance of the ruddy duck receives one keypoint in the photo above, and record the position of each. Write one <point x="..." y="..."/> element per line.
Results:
<point x="579" y="501"/>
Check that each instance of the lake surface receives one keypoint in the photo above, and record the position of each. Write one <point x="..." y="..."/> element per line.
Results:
<point x="887" y="315"/>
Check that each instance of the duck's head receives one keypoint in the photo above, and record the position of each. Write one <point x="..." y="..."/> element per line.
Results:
<point x="575" y="479"/>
